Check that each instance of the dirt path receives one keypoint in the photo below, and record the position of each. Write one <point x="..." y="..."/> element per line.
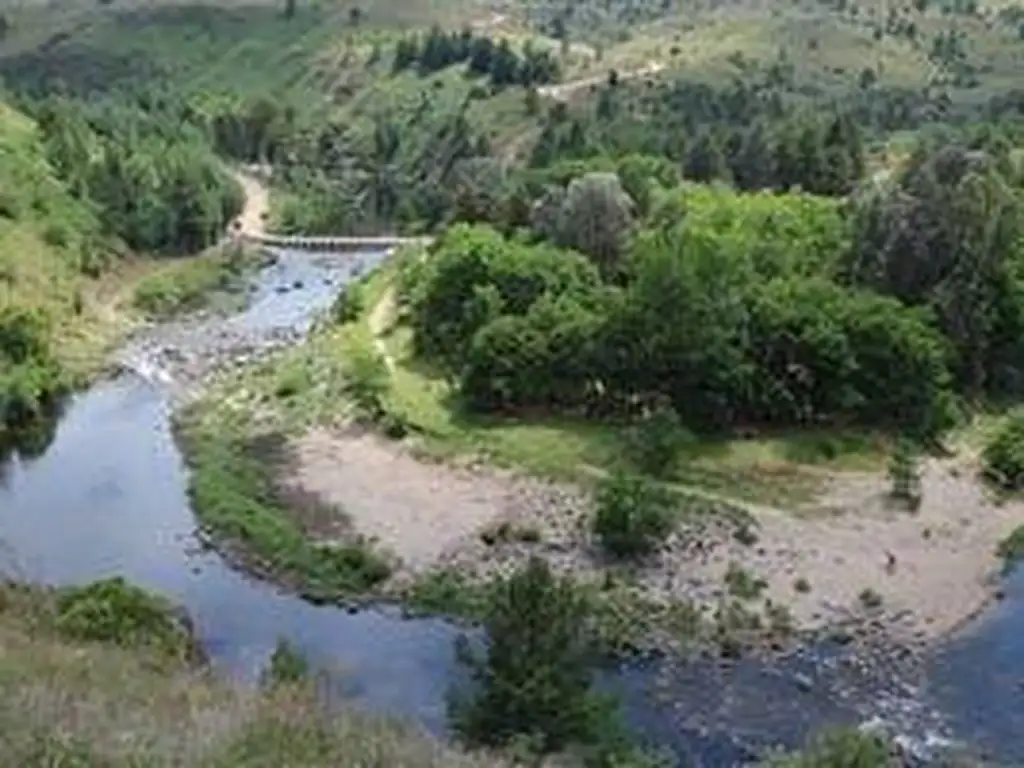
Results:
<point x="257" y="204"/>
<point x="562" y="91"/>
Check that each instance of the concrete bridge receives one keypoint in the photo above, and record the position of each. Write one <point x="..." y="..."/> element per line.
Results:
<point x="332" y="242"/>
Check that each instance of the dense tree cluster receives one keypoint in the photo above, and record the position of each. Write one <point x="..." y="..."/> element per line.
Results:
<point x="156" y="184"/>
<point x="740" y="309"/>
<point x="439" y="50"/>
<point x="743" y="134"/>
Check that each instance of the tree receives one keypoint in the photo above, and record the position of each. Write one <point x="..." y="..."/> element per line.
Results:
<point x="596" y="219"/>
<point x="289" y="9"/>
<point x="945" y="236"/>
<point x="704" y="160"/>
<point x="534" y="679"/>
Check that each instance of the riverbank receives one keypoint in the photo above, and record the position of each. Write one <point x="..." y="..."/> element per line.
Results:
<point x="454" y="502"/>
<point x="66" y="701"/>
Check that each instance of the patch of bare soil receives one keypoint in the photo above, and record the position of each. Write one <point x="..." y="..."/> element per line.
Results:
<point x="422" y="512"/>
<point x="930" y="569"/>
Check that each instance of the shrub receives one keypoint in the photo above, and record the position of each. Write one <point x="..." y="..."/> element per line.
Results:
<point x="350" y="304"/>
<point x="287" y="665"/>
<point x="904" y="474"/>
<point x="633" y="515"/>
<point x="114" y="611"/>
<point x="368" y="381"/>
<point x="534" y="679"/>
<point x="840" y="748"/>
<point x="1002" y="458"/>
<point x="658" y="440"/>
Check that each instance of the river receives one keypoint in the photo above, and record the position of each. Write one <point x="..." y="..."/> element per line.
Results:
<point x="107" y="496"/>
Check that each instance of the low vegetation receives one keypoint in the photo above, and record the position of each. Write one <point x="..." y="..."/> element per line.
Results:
<point x="116" y="612"/>
<point x="633" y="516"/>
<point x="105" y="702"/>
<point x="241" y="509"/>
<point x="1003" y="454"/>
<point x="216" y="278"/>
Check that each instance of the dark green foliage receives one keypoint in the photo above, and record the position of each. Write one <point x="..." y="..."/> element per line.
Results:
<point x="533" y="681"/>
<point x="439" y="50"/>
<point x="633" y="516"/>
<point x="155" y="187"/>
<point x="947" y="236"/>
<point x="31" y="379"/>
<point x="287" y="665"/>
<point x="114" y="611"/>
<point x="743" y="133"/>
<point x="1011" y="549"/>
<point x="1002" y="457"/>
<point x="537" y="360"/>
<point x="728" y="315"/>
<point x="475" y="275"/>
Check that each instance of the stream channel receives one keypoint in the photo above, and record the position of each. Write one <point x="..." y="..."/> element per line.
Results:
<point x="106" y="495"/>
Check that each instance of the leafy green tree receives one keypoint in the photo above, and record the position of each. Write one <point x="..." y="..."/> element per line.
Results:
<point x="596" y="219"/>
<point x="946" y="236"/>
<point x="534" y="679"/>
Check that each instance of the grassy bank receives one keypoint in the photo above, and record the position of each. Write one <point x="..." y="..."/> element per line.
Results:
<point x="215" y="280"/>
<point x="72" y="701"/>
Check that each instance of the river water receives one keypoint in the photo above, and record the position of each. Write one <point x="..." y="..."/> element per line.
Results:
<point x="107" y="496"/>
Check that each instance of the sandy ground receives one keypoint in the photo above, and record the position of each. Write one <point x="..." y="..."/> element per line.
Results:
<point x="939" y="573"/>
<point x="257" y="204"/>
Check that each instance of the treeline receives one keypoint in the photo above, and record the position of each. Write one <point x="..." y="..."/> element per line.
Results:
<point x="352" y="177"/>
<point x="439" y="50"/>
<point x="745" y="134"/>
<point x="153" y="179"/>
<point x="742" y="309"/>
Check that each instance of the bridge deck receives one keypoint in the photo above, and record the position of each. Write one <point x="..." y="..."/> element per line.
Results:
<point x="330" y="242"/>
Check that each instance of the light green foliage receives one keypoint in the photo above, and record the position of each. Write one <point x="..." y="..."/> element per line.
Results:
<point x="114" y="611"/>
<point x="367" y="381"/>
<point x="190" y="284"/>
<point x="1002" y="457"/>
<point x="904" y="473"/>
<point x="633" y="516"/>
<point x="838" y="749"/>
<point x="658" y="440"/>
